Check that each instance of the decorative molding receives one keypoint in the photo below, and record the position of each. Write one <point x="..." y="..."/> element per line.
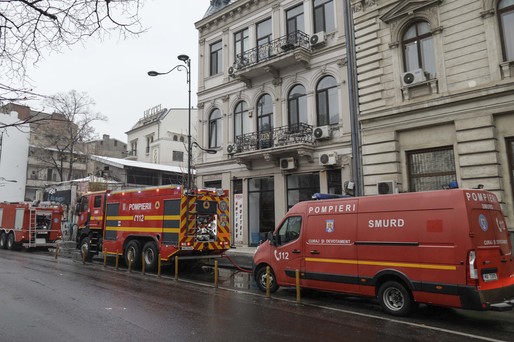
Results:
<point x="394" y="45"/>
<point x="487" y="13"/>
<point x="505" y="66"/>
<point x="225" y="98"/>
<point x="407" y="8"/>
<point x="341" y="62"/>
<point x="245" y="162"/>
<point x="302" y="152"/>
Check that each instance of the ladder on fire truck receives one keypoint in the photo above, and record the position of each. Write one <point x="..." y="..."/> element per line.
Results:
<point x="32" y="228"/>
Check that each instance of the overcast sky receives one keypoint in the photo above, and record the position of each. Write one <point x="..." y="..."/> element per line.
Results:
<point x="114" y="72"/>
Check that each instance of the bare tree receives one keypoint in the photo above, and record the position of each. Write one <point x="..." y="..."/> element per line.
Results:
<point x="59" y="140"/>
<point x="30" y="28"/>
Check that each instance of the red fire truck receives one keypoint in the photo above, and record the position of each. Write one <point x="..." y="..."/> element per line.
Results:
<point x="23" y="224"/>
<point x="141" y="225"/>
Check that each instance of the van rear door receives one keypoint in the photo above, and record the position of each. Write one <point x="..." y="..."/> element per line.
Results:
<point x="494" y="263"/>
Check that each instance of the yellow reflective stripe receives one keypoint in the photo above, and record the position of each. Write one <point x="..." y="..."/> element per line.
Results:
<point x="131" y="218"/>
<point x="383" y="263"/>
<point x="172" y="217"/>
<point x="136" y="229"/>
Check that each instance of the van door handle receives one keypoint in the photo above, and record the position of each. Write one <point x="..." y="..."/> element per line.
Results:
<point x="504" y="261"/>
<point x="314" y="252"/>
<point x="296" y="251"/>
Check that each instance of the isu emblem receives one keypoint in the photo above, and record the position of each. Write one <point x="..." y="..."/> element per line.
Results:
<point x="329" y="226"/>
<point x="157" y="205"/>
<point x="223" y="206"/>
<point x="482" y="221"/>
<point x="223" y="220"/>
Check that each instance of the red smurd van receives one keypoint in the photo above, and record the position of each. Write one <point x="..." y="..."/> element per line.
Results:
<point x="448" y="248"/>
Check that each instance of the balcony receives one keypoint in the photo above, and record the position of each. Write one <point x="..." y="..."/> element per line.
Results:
<point x="274" y="144"/>
<point x="285" y="51"/>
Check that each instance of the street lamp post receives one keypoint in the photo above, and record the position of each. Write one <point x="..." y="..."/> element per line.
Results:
<point x="187" y="65"/>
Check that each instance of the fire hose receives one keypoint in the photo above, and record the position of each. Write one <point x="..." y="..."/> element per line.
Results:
<point x="246" y="270"/>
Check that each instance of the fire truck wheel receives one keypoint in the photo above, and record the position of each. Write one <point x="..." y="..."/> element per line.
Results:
<point x="10" y="241"/>
<point x="261" y="280"/>
<point x="3" y="240"/>
<point x="84" y="249"/>
<point x="133" y="254"/>
<point x="150" y="255"/>
<point x="395" y="299"/>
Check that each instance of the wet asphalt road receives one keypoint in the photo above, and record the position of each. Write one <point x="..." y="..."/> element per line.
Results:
<point x="44" y="299"/>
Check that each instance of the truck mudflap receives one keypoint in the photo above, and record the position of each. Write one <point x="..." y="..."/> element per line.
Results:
<point x="500" y="299"/>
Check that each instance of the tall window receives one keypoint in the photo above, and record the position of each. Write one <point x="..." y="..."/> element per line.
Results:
<point x="506" y="17"/>
<point x="215" y="128"/>
<point x="431" y="169"/>
<point x="216" y="59"/>
<point x="510" y="156"/>
<point x="265" y="113"/>
<point x="297" y="106"/>
<point x="264" y="35"/>
<point x="418" y="48"/>
<point x="294" y="22"/>
<point x="241" y="124"/>
<point x="241" y="44"/>
<point x="301" y="187"/>
<point x="327" y="106"/>
<point x="324" y="16"/>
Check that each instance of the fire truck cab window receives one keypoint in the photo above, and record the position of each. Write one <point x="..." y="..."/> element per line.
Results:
<point x="83" y="204"/>
<point x="290" y="230"/>
<point x="98" y="201"/>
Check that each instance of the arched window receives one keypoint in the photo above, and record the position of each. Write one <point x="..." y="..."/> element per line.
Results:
<point x="175" y="138"/>
<point x="297" y="106"/>
<point x="215" y="128"/>
<point x="418" y="48"/>
<point x="181" y="138"/>
<point x="265" y="113"/>
<point x="241" y="124"/>
<point x="327" y="102"/>
<point x="506" y="18"/>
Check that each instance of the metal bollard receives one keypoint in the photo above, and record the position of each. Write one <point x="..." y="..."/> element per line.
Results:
<point x="143" y="265"/>
<point x="56" y="250"/>
<point x="117" y="260"/>
<point x="268" y="292"/>
<point x="176" y="267"/>
<point x="105" y="257"/>
<point x="84" y="256"/>
<point x="130" y="265"/>
<point x="297" y="286"/>
<point x="159" y="266"/>
<point x="216" y="276"/>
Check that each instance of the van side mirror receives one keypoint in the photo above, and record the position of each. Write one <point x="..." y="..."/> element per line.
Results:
<point x="271" y="238"/>
<point x="77" y="208"/>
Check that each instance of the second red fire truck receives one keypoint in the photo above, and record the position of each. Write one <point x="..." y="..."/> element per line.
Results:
<point x="26" y="225"/>
<point x="141" y="225"/>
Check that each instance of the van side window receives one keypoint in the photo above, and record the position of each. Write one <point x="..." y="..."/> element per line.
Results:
<point x="83" y="204"/>
<point x="290" y="230"/>
<point x="98" y="201"/>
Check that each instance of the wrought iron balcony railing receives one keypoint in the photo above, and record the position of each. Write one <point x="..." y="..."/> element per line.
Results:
<point x="278" y="137"/>
<point x="275" y="48"/>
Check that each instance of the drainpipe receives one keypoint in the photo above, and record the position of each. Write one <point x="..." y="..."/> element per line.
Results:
<point x="354" y="99"/>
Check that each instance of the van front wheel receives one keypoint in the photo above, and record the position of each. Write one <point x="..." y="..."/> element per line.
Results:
<point x="260" y="279"/>
<point x="395" y="299"/>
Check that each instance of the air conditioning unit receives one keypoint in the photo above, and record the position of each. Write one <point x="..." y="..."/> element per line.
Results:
<point x="387" y="187"/>
<point x="287" y="163"/>
<point x="232" y="148"/>
<point x="231" y="71"/>
<point x="317" y="38"/>
<point x="413" y="77"/>
<point x="322" y="132"/>
<point x="327" y="159"/>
